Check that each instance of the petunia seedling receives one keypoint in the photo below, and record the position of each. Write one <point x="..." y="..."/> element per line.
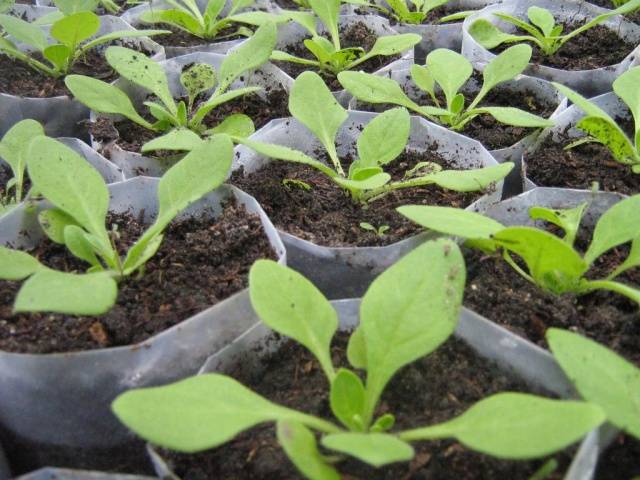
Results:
<point x="77" y="220"/>
<point x="551" y="262"/>
<point x="209" y="25"/>
<point x="178" y="124"/>
<point x="329" y="55"/>
<point x="380" y="143"/>
<point x="403" y="12"/>
<point x="448" y="71"/>
<point x="602" y="128"/>
<point x="541" y="27"/>
<point x="397" y="327"/>
<point x="72" y="37"/>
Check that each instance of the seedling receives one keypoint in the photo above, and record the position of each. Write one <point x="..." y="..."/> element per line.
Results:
<point x="73" y="34"/>
<point x="601" y="128"/>
<point x="380" y="231"/>
<point x="80" y="201"/>
<point x="449" y="72"/>
<point x="329" y="55"/>
<point x="186" y="16"/>
<point x="292" y="183"/>
<point x="181" y="122"/>
<point x="380" y="143"/>
<point x="401" y="11"/>
<point x="397" y="327"/>
<point x="14" y="151"/>
<point x="601" y="376"/>
<point x="552" y="263"/>
<point x="542" y="28"/>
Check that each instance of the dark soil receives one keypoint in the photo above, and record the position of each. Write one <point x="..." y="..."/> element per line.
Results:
<point x="596" y="48"/>
<point x="620" y="461"/>
<point x="496" y="291"/>
<point x="200" y="263"/>
<point x="633" y="16"/>
<point x="484" y="128"/>
<point x="355" y="35"/>
<point x="431" y="390"/>
<point x="180" y="38"/>
<point x="131" y="136"/>
<point x="552" y="166"/>
<point x="326" y="215"/>
<point x="16" y="78"/>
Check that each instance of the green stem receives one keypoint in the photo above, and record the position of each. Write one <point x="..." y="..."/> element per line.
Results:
<point x="620" y="288"/>
<point x="379" y="192"/>
<point x="516" y="267"/>
<point x="319" y="424"/>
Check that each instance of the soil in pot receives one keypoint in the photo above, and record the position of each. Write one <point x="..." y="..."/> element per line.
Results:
<point x="484" y="128"/>
<point x="496" y="291"/>
<point x="320" y="211"/>
<point x="633" y="16"/>
<point x="200" y="263"/>
<point x="596" y="48"/>
<point x="620" y="461"/>
<point x="433" y="389"/>
<point x="354" y="35"/>
<point x="17" y="78"/>
<point x="180" y="38"/>
<point x="130" y="136"/>
<point x="550" y="165"/>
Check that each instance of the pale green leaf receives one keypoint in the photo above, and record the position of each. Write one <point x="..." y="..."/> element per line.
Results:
<point x="299" y="444"/>
<point x="515" y="116"/>
<point x="23" y="31"/>
<point x="17" y="265"/>
<point x="236" y="125"/>
<point x="76" y="28"/>
<point x="348" y="399"/>
<point x="177" y="139"/>
<point x="357" y="349"/>
<point x="450" y="70"/>
<point x="384" y="138"/>
<point x="377" y="449"/>
<point x="452" y="221"/>
<point x="53" y="221"/>
<point x="471" y="180"/>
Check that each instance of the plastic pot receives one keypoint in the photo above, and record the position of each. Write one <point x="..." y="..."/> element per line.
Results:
<point x="341" y="272"/>
<point x="62" y="116"/>
<point x="66" y="474"/>
<point x="520" y="358"/>
<point x="588" y="82"/>
<point x="55" y="408"/>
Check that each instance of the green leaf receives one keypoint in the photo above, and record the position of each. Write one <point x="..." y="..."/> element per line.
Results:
<point x="452" y="221"/>
<point x="291" y="305"/>
<point x="197" y="79"/>
<point x="543" y="19"/>
<point x="59" y="55"/>
<point x="422" y="77"/>
<point x="568" y="219"/>
<point x="392" y="314"/>
<point x="357" y="349"/>
<point x="76" y="28"/>
<point x="15" y="143"/>
<point x="632" y="260"/>
<point x="103" y="97"/>
<point x="488" y="35"/>
<point x="348" y="399"/>
<point x="51" y="291"/>
<point x="369" y="183"/>
<point x="392" y="44"/>
<point x="237" y="125"/>
<point x="305" y="19"/>
<point x="216" y="100"/>
<point x="24" y="32"/>
<point x="601" y="376"/>
<point x="328" y="11"/>
<point x="79" y="246"/>
<point x="69" y="7"/>
<point x="504" y="67"/>
<point x="516" y="426"/>
<point x="384" y="138"/>
<point x="17" y="265"/>
<point x="616" y="226"/>
<point x="199" y="413"/>
<point x="471" y="180"/>
<point x="589" y="108"/>
<point x="313" y="105"/>
<point x="610" y="135"/>
<point x="375" y="89"/>
<point x="450" y="70"/>
<point x="144" y="72"/>
<point x="377" y="449"/>
<point x="248" y="56"/>
<point x="299" y="444"/>
<point x="69" y="182"/>
<point x="53" y="221"/>
<point x="214" y="8"/>
<point x="515" y="116"/>
<point x="626" y="87"/>
<point x="177" y="139"/>
<point x="175" y="18"/>
<point x="383" y="423"/>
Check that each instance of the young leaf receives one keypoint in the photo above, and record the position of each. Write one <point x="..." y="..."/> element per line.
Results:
<point x="51" y="291"/>
<point x="200" y="412"/>
<point x="23" y="31"/>
<point x="409" y="311"/>
<point x="384" y="138"/>
<point x="504" y="67"/>
<point x="79" y="246"/>
<point x="291" y="305"/>
<point x="601" y="376"/>
<point x="17" y="265"/>
<point x="391" y="45"/>
<point x="488" y="35"/>
<point x="177" y="139"/>
<point x="198" y="79"/>
<point x="568" y="219"/>
<point x="328" y="12"/>
<point x="471" y="180"/>
<point x="299" y="444"/>
<point x="450" y="70"/>
<point x="516" y="426"/>
<point x="357" y="349"/>
<point x="515" y="116"/>
<point x="53" y="221"/>
<point x="610" y="135"/>
<point x="626" y="87"/>
<point x="348" y="399"/>
<point x="452" y="221"/>
<point x="14" y="144"/>
<point x="235" y="125"/>
<point x="375" y="89"/>
<point x="74" y="29"/>
<point x="542" y="18"/>
<point x="377" y="449"/>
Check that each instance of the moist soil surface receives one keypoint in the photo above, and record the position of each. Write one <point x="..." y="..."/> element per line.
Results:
<point x="596" y="48"/>
<point x="552" y="166"/>
<point x="484" y="128"/>
<point x="16" y="78"/>
<point x="633" y="16"/>
<point x="620" y="461"/>
<point x="180" y="38"/>
<point x="495" y="290"/>
<point x="432" y="390"/>
<point x="354" y="35"/>
<point x="130" y="136"/>
<point x="326" y="215"/>
<point x="200" y="262"/>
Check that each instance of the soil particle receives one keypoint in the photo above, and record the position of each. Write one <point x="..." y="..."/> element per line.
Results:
<point x="596" y="48"/>
<point x="326" y="215"/>
<point x="620" y="461"/>
<point x="200" y="263"/>
<point x="354" y="35"/>
<point x="433" y="389"/>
